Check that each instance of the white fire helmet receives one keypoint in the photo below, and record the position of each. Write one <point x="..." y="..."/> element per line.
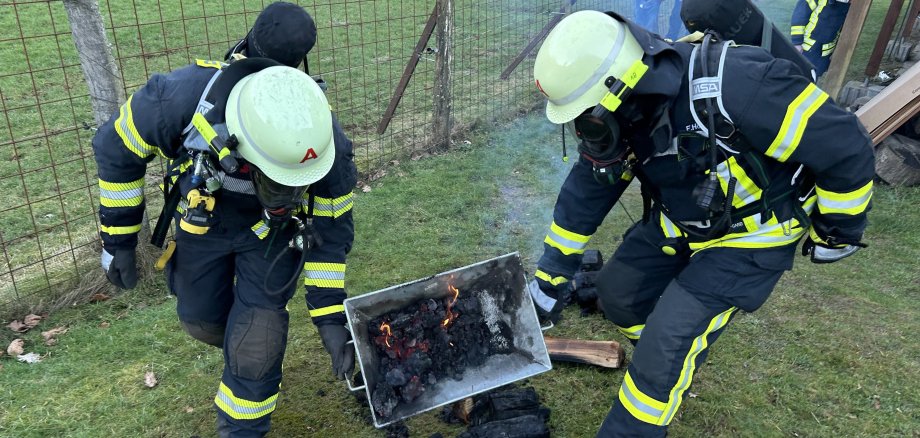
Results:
<point x="284" y="126"/>
<point x="578" y="55"/>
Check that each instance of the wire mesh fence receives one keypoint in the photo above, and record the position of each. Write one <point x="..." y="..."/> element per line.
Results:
<point x="365" y="48"/>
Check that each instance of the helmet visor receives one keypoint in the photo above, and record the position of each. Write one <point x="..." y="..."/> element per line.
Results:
<point x="275" y="196"/>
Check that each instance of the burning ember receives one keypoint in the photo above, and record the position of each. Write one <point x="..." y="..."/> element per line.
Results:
<point x="428" y="341"/>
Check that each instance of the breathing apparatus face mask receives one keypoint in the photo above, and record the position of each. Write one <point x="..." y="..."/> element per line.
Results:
<point x="599" y="138"/>
<point x="278" y="200"/>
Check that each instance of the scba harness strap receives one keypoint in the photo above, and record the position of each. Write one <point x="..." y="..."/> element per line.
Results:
<point x="780" y="190"/>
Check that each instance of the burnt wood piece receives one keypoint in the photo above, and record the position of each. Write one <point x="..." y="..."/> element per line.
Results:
<point x="607" y="354"/>
<point x="527" y="426"/>
<point x="505" y="404"/>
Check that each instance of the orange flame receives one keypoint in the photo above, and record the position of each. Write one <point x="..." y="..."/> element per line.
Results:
<point x="451" y="315"/>
<point x="385" y="329"/>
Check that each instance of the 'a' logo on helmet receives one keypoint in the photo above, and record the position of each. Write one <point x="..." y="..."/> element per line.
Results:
<point x="311" y="154"/>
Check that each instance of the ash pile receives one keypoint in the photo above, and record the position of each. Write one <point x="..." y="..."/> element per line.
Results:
<point x="431" y="340"/>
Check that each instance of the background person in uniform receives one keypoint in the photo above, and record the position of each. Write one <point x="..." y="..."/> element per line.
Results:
<point x="230" y="265"/>
<point x="816" y="27"/>
<point x="647" y="12"/>
<point x="734" y="172"/>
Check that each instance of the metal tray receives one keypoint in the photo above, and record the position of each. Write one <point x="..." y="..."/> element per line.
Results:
<point x="498" y="283"/>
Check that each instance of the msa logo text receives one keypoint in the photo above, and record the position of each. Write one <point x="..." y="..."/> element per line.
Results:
<point x="705" y="87"/>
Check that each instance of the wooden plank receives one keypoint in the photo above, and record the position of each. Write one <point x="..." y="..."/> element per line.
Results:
<point x="891" y="101"/>
<point x="607" y="354"/>
<point x="409" y="70"/>
<point x="875" y="59"/>
<point x="832" y="81"/>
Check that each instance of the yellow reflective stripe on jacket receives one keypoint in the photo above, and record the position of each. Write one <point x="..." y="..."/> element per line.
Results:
<point x="328" y="310"/>
<point x="242" y="409"/>
<point x="124" y="126"/>
<point x="332" y="207"/>
<point x="767" y="235"/>
<point x="261" y="229"/>
<point x="113" y="230"/>
<point x="670" y="230"/>
<point x="566" y="241"/>
<point x="798" y="30"/>
<point x="816" y="8"/>
<point x="640" y="405"/>
<point x="555" y="281"/>
<point x="689" y="366"/>
<point x="633" y="332"/>
<point x="828" y="48"/>
<point x="327" y="275"/>
<point x="793" y="127"/>
<point x="209" y="64"/>
<point x="746" y="190"/>
<point x="851" y="203"/>
<point x="129" y="194"/>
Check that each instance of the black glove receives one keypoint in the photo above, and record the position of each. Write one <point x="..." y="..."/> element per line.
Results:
<point x="121" y="267"/>
<point x="828" y="250"/>
<point x="548" y="303"/>
<point x="343" y="356"/>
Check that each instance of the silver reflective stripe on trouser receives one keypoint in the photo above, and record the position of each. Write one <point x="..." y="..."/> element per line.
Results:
<point x="540" y="298"/>
<point x="242" y="409"/>
<point x="599" y="75"/>
<point x="236" y="185"/>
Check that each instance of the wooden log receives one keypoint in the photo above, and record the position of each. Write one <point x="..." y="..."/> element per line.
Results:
<point x="442" y="121"/>
<point x="607" y="354"/>
<point x="106" y="90"/>
<point x="898" y="161"/>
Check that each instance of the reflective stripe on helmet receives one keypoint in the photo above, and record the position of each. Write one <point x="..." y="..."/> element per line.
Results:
<point x="598" y="75"/>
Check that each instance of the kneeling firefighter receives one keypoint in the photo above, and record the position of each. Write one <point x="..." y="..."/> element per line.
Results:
<point x="259" y="179"/>
<point x="739" y="157"/>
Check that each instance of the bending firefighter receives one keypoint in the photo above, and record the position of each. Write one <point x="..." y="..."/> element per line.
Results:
<point x="739" y="157"/>
<point x="259" y="180"/>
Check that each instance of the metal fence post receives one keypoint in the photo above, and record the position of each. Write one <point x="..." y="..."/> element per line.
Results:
<point x="442" y="123"/>
<point x="102" y="77"/>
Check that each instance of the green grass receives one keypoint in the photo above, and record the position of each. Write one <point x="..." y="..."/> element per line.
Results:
<point x="832" y="353"/>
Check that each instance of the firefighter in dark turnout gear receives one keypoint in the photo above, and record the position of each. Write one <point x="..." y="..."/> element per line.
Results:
<point x="739" y="156"/>
<point x="265" y="177"/>
<point x="815" y="28"/>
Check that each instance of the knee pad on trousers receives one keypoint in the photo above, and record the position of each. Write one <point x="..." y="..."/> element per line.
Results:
<point x="209" y="333"/>
<point x="616" y="292"/>
<point x="256" y="344"/>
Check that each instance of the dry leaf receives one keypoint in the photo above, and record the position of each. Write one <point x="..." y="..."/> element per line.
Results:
<point x="50" y="334"/>
<point x="876" y="402"/>
<point x="692" y="394"/>
<point x="150" y="379"/>
<point x="29" y="358"/>
<point x="15" y="348"/>
<point x="99" y="297"/>
<point x="18" y="327"/>
<point x="51" y="342"/>
<point x="104" y="324"/>
<point x="366" y="189"/>
<point x="189" y="409"/>
<point x="31" y="320"/>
